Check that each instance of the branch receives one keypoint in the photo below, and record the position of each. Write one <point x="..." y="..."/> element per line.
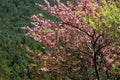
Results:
<point x="74" y="26"/>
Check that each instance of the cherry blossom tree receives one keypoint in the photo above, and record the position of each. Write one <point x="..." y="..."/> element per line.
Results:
<point x="82" y="38"/>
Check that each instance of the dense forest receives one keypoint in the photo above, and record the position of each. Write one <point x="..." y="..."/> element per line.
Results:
<point x="15" y="14"/>
<point x="14" y="58"/>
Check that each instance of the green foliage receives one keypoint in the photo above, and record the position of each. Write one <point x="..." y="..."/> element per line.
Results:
<point x="13" y="61"/>
<point x="108" y="19"/>
<point x="111" y="13"/>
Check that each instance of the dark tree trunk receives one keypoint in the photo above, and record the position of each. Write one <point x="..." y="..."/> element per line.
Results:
<point x="95" y="66"/>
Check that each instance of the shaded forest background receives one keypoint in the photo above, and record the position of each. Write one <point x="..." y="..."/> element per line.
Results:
<point x="15" y="14"/>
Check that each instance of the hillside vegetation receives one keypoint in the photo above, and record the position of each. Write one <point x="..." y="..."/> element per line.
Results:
<point x="15" y="14"/>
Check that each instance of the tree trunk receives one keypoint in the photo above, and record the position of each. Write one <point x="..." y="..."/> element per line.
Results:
<point x="95" y="66"/>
